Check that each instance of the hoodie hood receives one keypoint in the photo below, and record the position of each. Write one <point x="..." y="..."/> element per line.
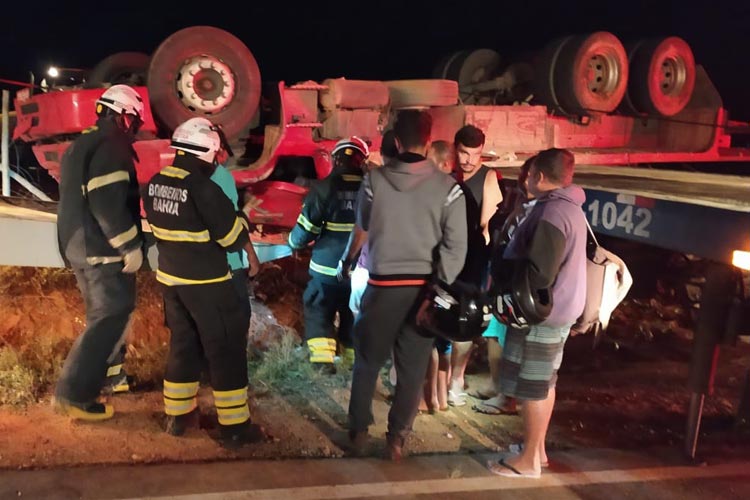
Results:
<point x="407" y="176"/>
<point x="572" y="193"/>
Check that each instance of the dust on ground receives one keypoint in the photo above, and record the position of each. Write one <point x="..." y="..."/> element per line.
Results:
<point x="628" y="393"/>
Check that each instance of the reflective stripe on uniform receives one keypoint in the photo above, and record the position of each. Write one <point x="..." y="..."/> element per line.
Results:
<point x="325" y="357"/>
<point x="232" y="235"/>
<point x="175" y="172"/>
<point x="309" y="226"/>
<point x="180" y="390"/>
<point x="93" y="261"/>
<point x="233" y="416"/>
<point x="124" y="238"/>
<point x="230" y="399"/>
<point x="322" y="349"/>
<point x="339" y="226"/>
<point x="174" y="235"/>
<point x="169" y="280"/>
<point x="106" y="180"/>
<point x="179" y="407"/>
<point x="322" y="343"/>
<point x="328" y="271"/>
<point x="114" y="370"/>
<point x="92" y="128"/>
<point x="351" y="178"/>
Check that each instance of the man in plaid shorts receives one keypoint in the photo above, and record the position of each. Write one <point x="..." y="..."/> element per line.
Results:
<point x="553" y="241"/>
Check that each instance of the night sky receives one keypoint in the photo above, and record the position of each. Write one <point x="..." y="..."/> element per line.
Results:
<point x="377" y="40"/>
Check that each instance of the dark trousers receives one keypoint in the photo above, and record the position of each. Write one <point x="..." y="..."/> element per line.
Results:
<point x="385" y="324"/>
<point x="322" y="300"/>
<point x="239" y="280"/>
<point x="206" y="321"/>
<point x="109" y="297"/>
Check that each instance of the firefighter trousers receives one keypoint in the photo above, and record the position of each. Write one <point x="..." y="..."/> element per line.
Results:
<point x="206" y="322"/>
<point x="322" y="300"/>
<point x="109" y="298"/>
<point x="386" y="324"/>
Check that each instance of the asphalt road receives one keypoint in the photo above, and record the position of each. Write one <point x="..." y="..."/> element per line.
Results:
<point x="578" y="474"/>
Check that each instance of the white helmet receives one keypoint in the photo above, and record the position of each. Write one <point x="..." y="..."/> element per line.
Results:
<point x="351" y="144"/>
<point x="197" y="136"/>
<point x="123" y="100"/>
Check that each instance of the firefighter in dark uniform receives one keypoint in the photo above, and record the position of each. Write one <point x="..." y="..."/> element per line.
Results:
<point x="327" y="218"/>
<point x="99" y="233"/>
<point x="195" y="225"/>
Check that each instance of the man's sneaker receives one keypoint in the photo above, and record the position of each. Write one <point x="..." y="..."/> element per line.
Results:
<point x="91" y="412"/>
<point x="358" y="441"/>
<point x="236" y="436"/>
<point x="394" y="447"/>
<point x="177" y="425"/>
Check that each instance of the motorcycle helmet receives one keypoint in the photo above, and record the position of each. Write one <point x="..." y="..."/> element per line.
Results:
<point x="519" y="305"/>
<point x="458" y="312"/>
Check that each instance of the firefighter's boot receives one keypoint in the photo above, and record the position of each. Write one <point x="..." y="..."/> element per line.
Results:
<point x="91" y="412"/>
<point x="236" y="436"/>
<point x="176" y="425"/>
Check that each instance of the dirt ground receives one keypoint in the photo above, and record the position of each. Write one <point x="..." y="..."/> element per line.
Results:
<point x="628" y="393"/>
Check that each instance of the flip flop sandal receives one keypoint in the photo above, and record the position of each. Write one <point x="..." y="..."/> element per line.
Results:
<point x="517" y="448"/>
<point x="502" y="468"/>
<point x="457" y="399"/>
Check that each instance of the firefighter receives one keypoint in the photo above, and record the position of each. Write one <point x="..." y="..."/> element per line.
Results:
<point x="327" y="219"/>
<point x="195" y="225"/>
<point x="99" y="234"/>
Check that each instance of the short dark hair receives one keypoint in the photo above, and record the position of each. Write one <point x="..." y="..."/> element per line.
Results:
<point x="413" y="128"/>
<point x="470" y="136"/>
<point x="388" y="147"/>
<point x="442" y="149"/>
<point x="558" y="165"/>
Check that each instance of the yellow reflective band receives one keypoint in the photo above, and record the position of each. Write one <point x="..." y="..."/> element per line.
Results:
<point x="176" y="408"/>
<point x="169" y="280"/>
<point x="309" y="226"/>
<point x="226" y="399"/>
<point x="114" y="370"/>
<point x="232" y="235"/>
<point x="322" y="358"/>
<point x="124" y="238"/>
<point x="177" y="390"/>
<point x="175" y="172"/>
<point x="106" y="180"/>
<point x="92" y="128"/>
<point x="328" y="271"/>
<point x="324" y="342"/>
<point x="336" y="226"/>
<point x="185" y="236"/>
<point x="244" y="224"/>
<point x="233" y="416"/>
<point x="351" y="178"/>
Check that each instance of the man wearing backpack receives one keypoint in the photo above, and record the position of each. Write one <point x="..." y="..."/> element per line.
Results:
<point x="552" y="239"/>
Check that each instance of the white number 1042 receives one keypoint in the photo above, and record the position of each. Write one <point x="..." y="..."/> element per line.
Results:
<point x="610" y="215"/>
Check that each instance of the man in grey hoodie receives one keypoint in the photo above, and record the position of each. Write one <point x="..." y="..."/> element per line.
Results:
<point x="552" y="239"/>
<point x="415" y="218"/>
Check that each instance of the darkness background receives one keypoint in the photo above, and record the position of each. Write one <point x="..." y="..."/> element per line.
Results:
<point x="379" y="40"/>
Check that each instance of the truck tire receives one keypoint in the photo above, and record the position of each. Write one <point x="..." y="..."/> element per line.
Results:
<point x="662" y="76"/>
<point x="441" y="68"/>
<point x="583" y="74"/>
<point x="422" y="93"/>
<point x="353" y="94"/>
<point x="204" y="71"/>
<point x="129" y="68"/>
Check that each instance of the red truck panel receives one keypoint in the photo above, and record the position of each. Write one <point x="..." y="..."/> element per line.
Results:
<point x="44" y="116"/>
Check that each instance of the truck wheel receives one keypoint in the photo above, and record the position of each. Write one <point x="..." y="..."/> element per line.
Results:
<point x="204" y="71"/>
<point x="474" y="66"/>
<point x="129" y="68"/>
<point x="583" y="74"/>
<point x="591" y="73"/>
<point x="441" y="68"/>
<point x="662" y="76"/>
<point x="422" y="93"/>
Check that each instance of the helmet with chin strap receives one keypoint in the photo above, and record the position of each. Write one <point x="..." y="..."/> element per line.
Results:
<point x="201" y="138"/>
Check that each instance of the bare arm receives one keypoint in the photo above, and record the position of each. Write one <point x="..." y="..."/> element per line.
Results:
<point x="491" y="199"/>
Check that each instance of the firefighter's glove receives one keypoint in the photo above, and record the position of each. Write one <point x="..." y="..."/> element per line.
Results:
<point x="133" y="260"/>
<point x="343" y="270"/>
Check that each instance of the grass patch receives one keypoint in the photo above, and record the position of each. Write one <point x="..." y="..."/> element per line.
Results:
<point x="17" y="382"/>
<point x="284" y="364"/>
